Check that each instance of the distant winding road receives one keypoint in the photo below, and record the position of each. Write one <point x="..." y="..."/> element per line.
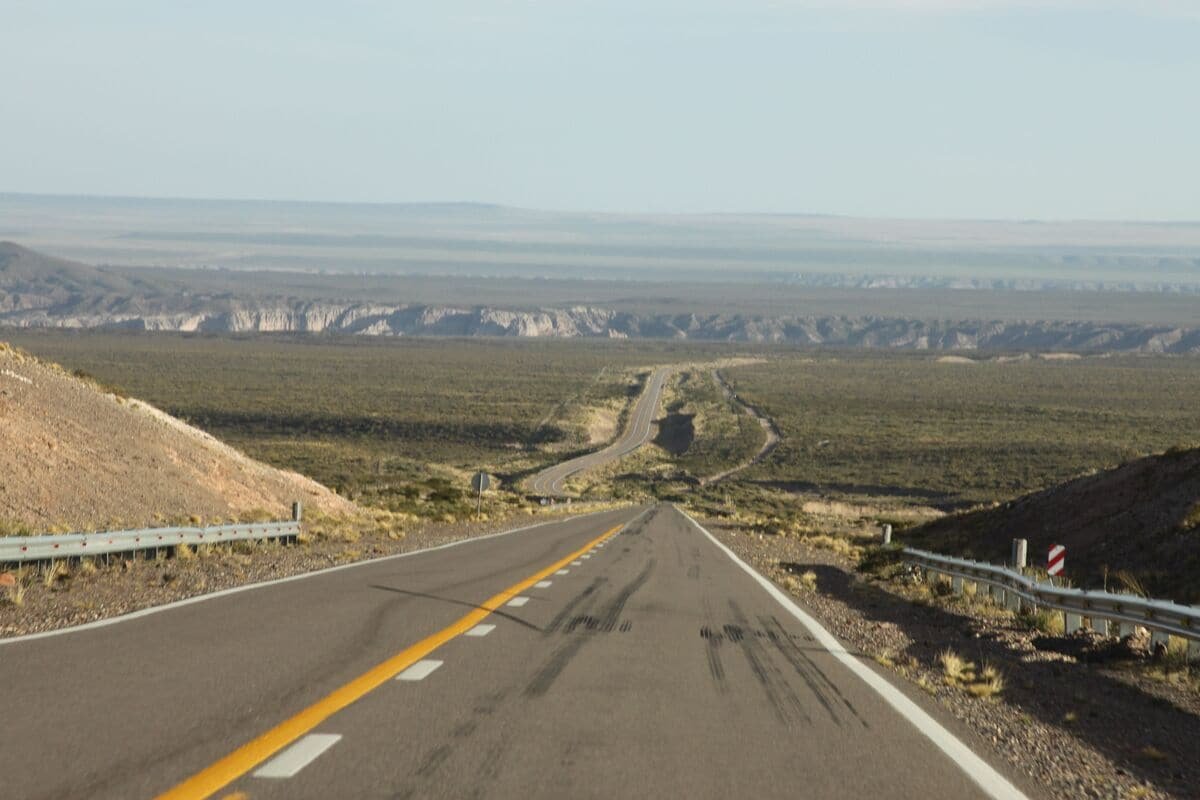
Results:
<point x="770" y="429"/>
<point x="549" y="482"/>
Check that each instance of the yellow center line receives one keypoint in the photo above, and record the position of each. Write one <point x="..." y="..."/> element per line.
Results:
<point x="221" y="773"/>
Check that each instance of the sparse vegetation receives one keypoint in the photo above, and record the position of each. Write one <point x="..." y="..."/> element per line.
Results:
<point x="804" y="582"/>
<point x="397" y="425"/>
<point x="954" y="667"/>
<point x="958" y="672"/>
<point x="10" y="527"/>
<point x="1043" y="621"/>
<point x="904" y="424"/>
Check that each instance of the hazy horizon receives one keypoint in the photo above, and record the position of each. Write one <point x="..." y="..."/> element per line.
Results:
<point x="467" y="203"/>
<point x="884" y="109"/>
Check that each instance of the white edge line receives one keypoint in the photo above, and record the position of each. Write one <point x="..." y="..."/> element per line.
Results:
<point x="298" y="756"/>
<point x="992" y="782"/>
<point x="200" y="598"/>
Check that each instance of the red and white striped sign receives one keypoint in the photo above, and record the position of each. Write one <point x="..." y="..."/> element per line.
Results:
<point x="1056" y="560"/>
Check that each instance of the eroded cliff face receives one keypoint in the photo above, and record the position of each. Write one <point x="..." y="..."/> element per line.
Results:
<point x="230" y="316"/>
<point x="40" y="291"/>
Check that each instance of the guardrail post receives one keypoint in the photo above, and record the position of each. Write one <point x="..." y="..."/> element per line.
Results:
<point x="1194" y="650"/>
<point x="1125" y="629"/>
<point x="1100" y="626"/>
<point x="1013" y="601"/>
<point x="1071" y="622"/>
<point x="956" y="584"/>
<point x="1020" y="553"/>
<point x="887" y="534"/>
<point x="297" y="511"/>
<point x="1158" y="638"/>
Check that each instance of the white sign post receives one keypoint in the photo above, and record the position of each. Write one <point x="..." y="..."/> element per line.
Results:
<point x="480" y="481"/>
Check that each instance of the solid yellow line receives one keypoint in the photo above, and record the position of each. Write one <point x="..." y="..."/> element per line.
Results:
<point x="223" y="772"/>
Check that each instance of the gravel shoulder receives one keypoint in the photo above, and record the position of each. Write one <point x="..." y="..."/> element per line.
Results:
<point x="1076" y="727"/>
<point x="78" y="594"/>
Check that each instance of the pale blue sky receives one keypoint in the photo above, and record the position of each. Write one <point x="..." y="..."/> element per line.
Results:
<point x="911" y="108"/>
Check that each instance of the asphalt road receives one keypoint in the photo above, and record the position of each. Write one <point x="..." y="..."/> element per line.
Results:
<point x="549" y="482"/>
<point x="623" y="654"/>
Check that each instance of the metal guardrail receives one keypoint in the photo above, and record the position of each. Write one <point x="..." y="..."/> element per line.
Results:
<point x="17" y="549"/>
<point x="1128" y="610"/>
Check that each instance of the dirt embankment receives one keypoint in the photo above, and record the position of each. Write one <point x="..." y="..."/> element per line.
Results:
<point x="76" y="457"/>
<point x="1142" y="518"/>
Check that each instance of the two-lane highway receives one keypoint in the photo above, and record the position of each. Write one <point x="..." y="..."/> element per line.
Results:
<point x="623" y="654"/>
<point x="549" y="482"/>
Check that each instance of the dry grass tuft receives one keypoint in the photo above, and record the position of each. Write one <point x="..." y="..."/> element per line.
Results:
<point x="184" y="552"/>
<point x="1152" y="753"/>
<point x="1130" y="583"/>
<point x="961" y="673"/>
<point x="16" y="592"/>
<point x="989" y="684"/>
<point x="1047" y="622"/>
<point x="954" y="667"/>
<point x="842" y="547"/>
<point x="52" y="572"/>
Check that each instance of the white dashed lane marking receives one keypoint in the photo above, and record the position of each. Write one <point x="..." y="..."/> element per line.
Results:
<point x="419" y="671"/>
<point x="298" y="756"/>
<point x="480" y="630"/>
<point x="543" y="584"/>
<point x="517" y="602"/>
<point x="586" y="556"/>
<point x="562" y="572"/>
<point x="576" y="563"/>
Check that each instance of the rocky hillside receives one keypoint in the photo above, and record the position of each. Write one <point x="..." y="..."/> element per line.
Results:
<point x="75" y="457"/>
<point x="36" y="291"/>
<point x="1142" y="517"/>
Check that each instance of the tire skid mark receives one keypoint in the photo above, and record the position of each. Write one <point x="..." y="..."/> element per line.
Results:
<point x="712" y="649"/>
<point x="607" y="617"/>
<point x="489" y="770"/>
<point x="780" y="694"/>
<point x="434" y="759"/>
<point x="550" y="671"/>
<point x="567" y="609"/>
<point x="825" y="690"/>
<point x="613" y="612"/>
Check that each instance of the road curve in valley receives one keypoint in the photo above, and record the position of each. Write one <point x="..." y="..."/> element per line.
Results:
<point x="621" y="654"/>
<point x="771" y="435"/>
<point x="549" y="482"/>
